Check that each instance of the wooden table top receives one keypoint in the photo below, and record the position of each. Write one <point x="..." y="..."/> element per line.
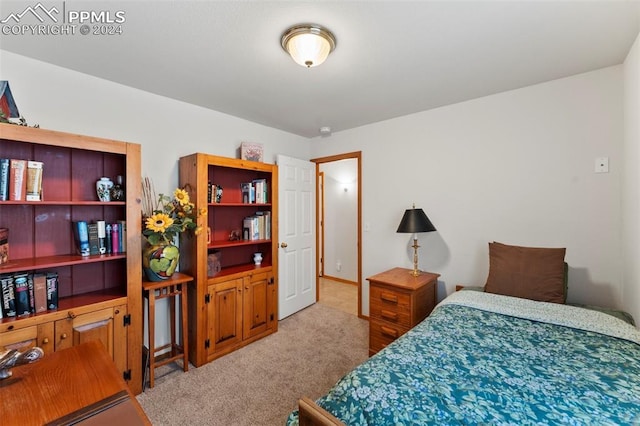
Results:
<point x="403" y="278"/>
<point x="72" y="383"/>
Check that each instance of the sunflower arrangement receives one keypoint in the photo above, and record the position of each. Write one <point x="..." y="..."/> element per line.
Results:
<point x="171" y="216"/>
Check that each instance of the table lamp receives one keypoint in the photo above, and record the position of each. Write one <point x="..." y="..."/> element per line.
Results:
<point x="414" y="221"/>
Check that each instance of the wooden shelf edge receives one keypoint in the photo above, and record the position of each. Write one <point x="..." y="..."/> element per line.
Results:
<point x="45" y="262"/>
<point x="239" y="270"/>
<point x="239" y="204"/>
<point x="226" y="244"/>
<point x="62" y="203"/>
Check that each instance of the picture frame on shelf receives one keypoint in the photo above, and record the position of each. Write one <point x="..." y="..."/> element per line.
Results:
<point x="251" y="151"/>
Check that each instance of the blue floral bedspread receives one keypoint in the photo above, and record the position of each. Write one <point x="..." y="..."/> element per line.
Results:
<point x="469" y="365"/>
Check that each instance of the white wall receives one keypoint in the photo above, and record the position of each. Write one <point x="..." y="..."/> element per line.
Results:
<point x="60" y="99"/>
<point x="341" y="222"/>
<point x="516" y="167"/>
<point x="64" y="100"/>
<point x="631" y="184"/>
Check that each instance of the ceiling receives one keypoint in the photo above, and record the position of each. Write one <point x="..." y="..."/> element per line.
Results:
<point x="392" y="57"/>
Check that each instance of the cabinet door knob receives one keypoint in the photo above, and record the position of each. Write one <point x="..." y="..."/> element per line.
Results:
<point x="283" y="245"/>
<point x="63" y="336"/>
<point x="71" y="315"/>
<point x="45" y="340"/>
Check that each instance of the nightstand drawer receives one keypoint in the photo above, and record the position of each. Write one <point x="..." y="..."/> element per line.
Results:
<point x="381" y="334"/>
<point x="389" y="305"/>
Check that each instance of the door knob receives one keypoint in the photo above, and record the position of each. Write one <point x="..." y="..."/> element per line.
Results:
<point x="283" y="245"/>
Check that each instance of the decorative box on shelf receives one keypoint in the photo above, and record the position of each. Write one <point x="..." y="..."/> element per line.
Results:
<point x="214" y="263"/>
<point x="251" y="151"/>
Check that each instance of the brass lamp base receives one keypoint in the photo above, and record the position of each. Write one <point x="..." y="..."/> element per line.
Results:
<point x="416" y="272"/>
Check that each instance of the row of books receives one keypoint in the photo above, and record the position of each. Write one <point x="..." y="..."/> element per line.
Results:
<point x="20" y="180"/>
<point x="257" y="226"/>
<point x="255" y="192"/>
<point x="214" y="193"/>
<point x="100" y="237"/>
<point x="28" y="293"/>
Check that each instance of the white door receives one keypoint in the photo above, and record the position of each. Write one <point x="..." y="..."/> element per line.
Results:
<point x="296" y="235"/>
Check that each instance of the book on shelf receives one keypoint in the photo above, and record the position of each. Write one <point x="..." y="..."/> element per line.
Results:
<point x="260" y="224"/>
<point x="40" y="292"/>
<point x="115" y="238"/>
<point x="122" y="236"/>
<point x="260" y="186"/>
<point x="94" y="242"/>
<point x="214" y="193"/>
<point x="4" y="245"/>
<point x="265" y="223"/>
<point x="34" y="181"/>
<point x="257" y="226"/>
<point x="102" y="236"/>
<point x="32" y="295"/>
<point x="21" y="284"/>
<point x="107" y="239"/>
<point x="17" y="180"/>
<point x="81" y="234"/>
<point x="52" y="291"/>
<point x="4" y="179"/>
<point x="8" y="296"/>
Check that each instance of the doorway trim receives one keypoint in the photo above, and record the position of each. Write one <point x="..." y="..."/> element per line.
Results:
<point x="358" y="156"/>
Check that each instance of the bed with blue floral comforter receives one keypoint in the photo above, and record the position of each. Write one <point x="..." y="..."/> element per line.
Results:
<point x="483" y="358"/>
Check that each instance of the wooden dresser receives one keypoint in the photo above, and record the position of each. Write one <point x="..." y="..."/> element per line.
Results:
<point x="397" y="302"/>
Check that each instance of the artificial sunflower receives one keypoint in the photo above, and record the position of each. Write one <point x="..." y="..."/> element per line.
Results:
<point x="181" y="196"/>
<point x="170" y="217"/>
<point x="159" y="222"/>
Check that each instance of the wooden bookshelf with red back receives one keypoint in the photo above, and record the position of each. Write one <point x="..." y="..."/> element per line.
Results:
<point x="99" y="296"/>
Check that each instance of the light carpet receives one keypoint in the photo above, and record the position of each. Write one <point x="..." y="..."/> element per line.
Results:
<point x="261" y="383"/>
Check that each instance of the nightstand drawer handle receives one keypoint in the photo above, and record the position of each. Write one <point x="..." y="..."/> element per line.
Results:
<point x="389" y="315"/>
<point x="389" y="297"/>
<point x="389" y="331"/>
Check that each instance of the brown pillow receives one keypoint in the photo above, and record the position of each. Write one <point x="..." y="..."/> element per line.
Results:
<point x="529" y="272"/>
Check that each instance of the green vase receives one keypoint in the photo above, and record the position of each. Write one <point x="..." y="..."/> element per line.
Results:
<point x="160" y="261"/>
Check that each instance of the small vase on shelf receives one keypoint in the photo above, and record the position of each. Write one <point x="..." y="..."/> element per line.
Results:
<point x="117" y="191"/>
<point x="103" y="189"/>
<point x="257" y="259"/>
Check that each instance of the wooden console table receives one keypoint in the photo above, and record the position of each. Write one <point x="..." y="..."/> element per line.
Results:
<point x="170" y="288"/>
<point x="79" y="385"/>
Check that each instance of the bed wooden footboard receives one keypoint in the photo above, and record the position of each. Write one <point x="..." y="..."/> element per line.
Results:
<point x="310" y="414"/>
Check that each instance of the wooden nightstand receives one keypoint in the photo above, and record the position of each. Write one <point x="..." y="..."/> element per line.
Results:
<point x="397" y="302"/>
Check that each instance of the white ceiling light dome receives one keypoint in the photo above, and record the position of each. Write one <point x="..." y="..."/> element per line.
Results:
<point x="308" y="44"/>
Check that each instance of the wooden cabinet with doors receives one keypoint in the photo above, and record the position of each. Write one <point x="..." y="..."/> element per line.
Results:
<point x="240" y="310"/>
<point x="104" y="322"/>
<point x="100" y="296"/>
<point x="235" y="302"/>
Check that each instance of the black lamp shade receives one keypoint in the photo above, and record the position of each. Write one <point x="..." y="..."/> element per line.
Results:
<point x="415" y="220"/>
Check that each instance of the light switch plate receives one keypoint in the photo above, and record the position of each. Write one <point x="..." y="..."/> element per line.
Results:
<point x="602" y="165"/>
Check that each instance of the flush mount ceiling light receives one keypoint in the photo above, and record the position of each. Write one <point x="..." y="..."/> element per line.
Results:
<point x="308" y="44"/>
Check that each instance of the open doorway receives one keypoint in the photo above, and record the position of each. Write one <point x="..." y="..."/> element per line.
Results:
<point x="338" y="229"/>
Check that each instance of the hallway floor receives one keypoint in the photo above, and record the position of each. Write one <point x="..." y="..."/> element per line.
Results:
<point x="339" y="295"/>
